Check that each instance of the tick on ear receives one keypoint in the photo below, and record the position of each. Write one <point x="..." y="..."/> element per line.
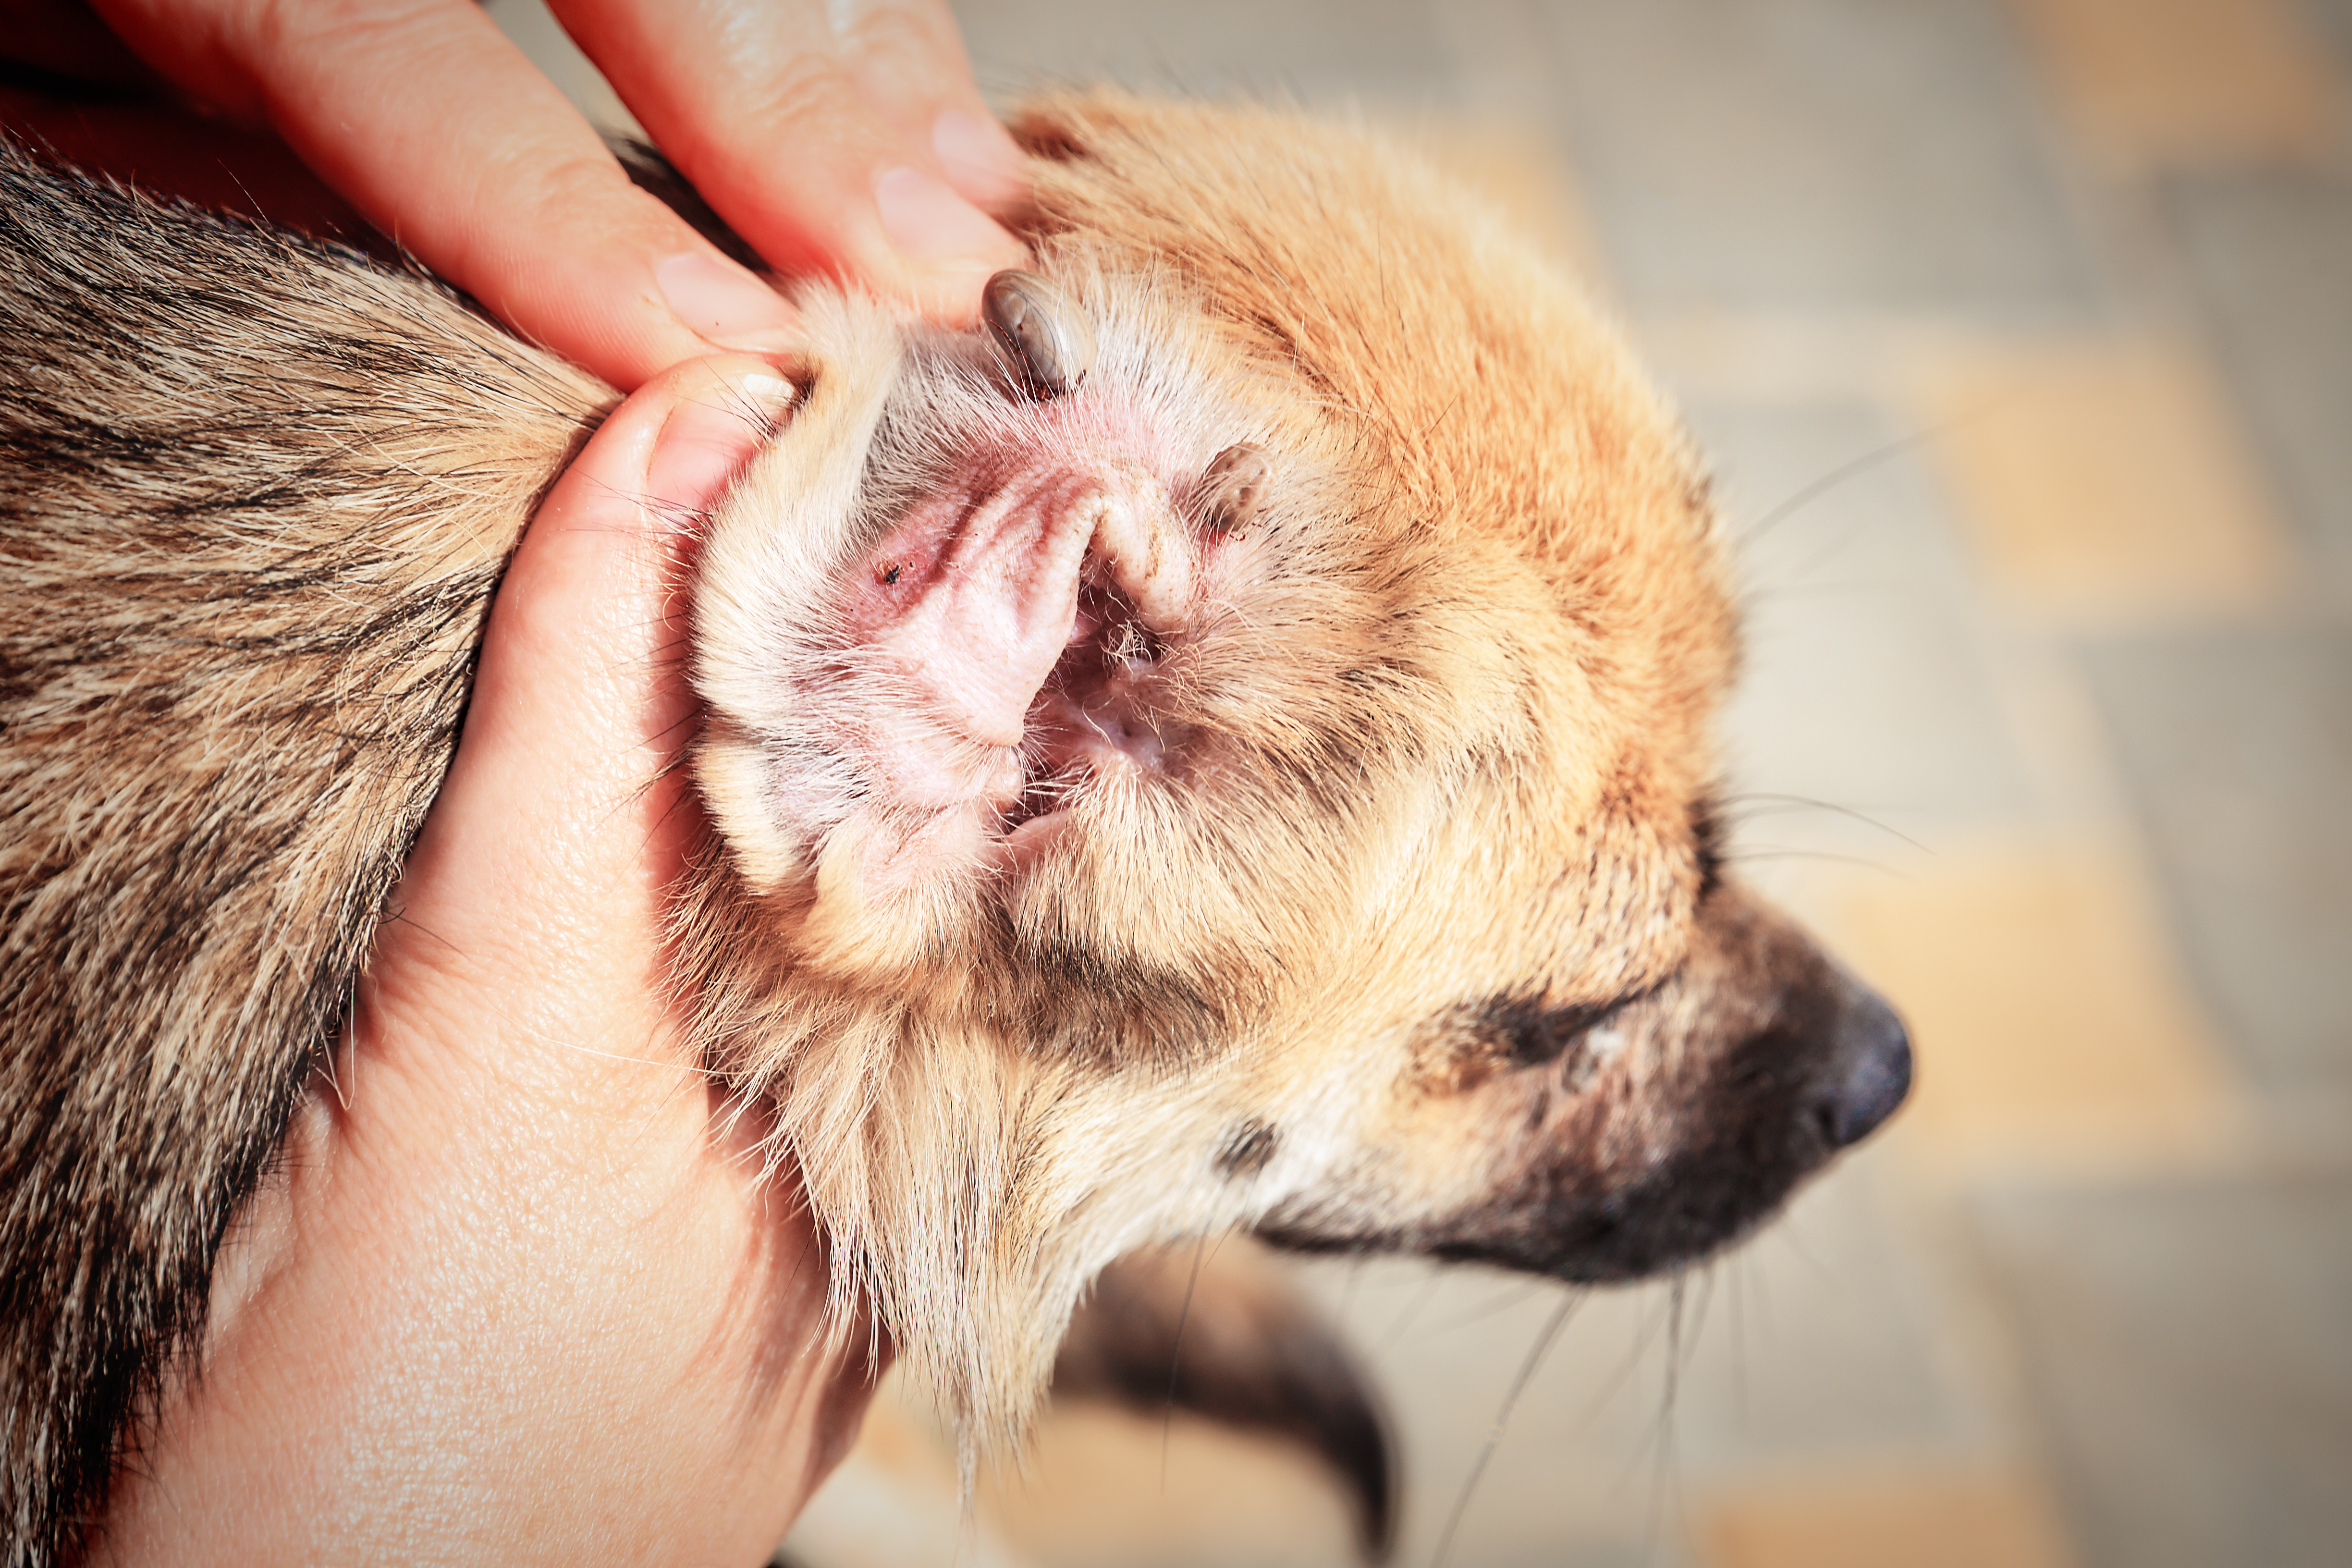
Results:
<point x="1048" y="341"/>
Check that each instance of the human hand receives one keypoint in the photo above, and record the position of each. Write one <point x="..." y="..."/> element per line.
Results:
<point x="847" y="140"/>
<point x="519" y="1294"/>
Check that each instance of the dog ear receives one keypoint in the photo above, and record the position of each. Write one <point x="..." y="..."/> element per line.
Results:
<point x="1218" y="1328"/>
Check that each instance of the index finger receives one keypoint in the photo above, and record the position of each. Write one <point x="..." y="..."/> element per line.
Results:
<point x="447" y="138"/>
<point x="813" y="128"/>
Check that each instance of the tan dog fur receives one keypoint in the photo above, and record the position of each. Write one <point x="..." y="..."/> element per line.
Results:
<point x="1531" y="577"/>
<point x="1415" y="939"/>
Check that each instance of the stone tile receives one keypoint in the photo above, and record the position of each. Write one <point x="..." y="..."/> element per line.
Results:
<point x="893" y="1501"/>
<point x="1866" y="685"/>
<point x="1514" y="164"/>
<point x="1823" y="1340"/>
<point x="2151" y="84"/>
<point x="2053" y="1028"/>
<point x="2105" y="479"/>
<point x="1317" y="52"/>
<point x="2269" y="255"/>
<point x="2190" y="1351"/>
<point x="2238" y="747"/>
<point x="1845" y="153"/>
<point x="532" y="29"/>
<point x="1108" y="1488"/>
<point x="2333" y="20"/>
<point x="1098" y="1488"/>
<point x="1921" y="1518"/>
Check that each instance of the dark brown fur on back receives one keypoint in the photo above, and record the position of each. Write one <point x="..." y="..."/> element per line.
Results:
<point x="328" y="493"/>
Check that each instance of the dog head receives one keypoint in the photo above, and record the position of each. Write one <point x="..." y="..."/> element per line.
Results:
<point x="1232" y="748"/>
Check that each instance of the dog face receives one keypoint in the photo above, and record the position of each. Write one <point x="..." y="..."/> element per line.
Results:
<point x="1234" y="751"/>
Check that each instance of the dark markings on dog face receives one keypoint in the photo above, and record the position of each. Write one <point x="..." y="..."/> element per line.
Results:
<point x="1514" y="1034"/>
<point x="1113" y="1010"/>
<point x="1532" y="1033"/>
<point x="1762" y="1059"/>
<point x="1738" y="1077"/>
<point x="1247" y="1149"/>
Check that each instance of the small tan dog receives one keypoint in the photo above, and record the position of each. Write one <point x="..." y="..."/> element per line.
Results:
<point x="1228" y="748"/>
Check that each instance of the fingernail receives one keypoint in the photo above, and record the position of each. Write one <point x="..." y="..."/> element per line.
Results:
<point x="724" y="304"/>
<point x="772" y="393"/>
<point x="930" y="225"/>
<point x="708" y="438"/>
<point x="980" y="158"/>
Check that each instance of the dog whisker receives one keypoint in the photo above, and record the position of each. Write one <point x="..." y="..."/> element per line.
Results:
<point x="1829" y="857"/>
<point x="1775" y="804"/>
<point x="1664" y="1475"/>
<point x="1845" y="473"/>
<point x="1502" y="1302"/>
<point x="1176" y="1356"/>
<point x="1735" y="1304"/>
<point x="1412" y="1310"/>
<point x="1645" y="1335"/>
<point x="1527" y="1369"/>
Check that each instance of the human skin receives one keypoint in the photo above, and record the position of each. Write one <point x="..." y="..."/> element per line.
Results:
<point x="519" y="1292"/>
<point x="840" y="138"/>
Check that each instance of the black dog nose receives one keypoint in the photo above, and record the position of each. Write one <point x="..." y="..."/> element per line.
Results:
<point x="1869" y="1074"/>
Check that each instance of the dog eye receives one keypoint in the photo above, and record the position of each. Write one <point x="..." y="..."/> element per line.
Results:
<point x="1531" y="1035"/>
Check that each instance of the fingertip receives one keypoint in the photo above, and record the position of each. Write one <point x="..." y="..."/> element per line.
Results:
<point x="720" y="413"/>
<point x="948" y="248"/>
<point x="724" y="304"/>
<point x="585" y="621"/>
<point x="671" y="448"/>
<point x="651" y="471"/>
<point x="980" y="159"/>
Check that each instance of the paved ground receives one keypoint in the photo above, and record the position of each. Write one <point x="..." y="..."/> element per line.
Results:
<point x="2022" y="334"/>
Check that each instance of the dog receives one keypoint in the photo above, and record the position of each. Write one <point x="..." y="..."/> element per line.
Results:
<point x="1226" y="746"/>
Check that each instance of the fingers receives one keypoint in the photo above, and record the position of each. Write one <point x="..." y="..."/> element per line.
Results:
<point x="516" y="1299"/>
<point x="543" y="869"/>
<point x="581" y="677"/>
<point x="847" y="139"/>
<point x="906" y="57"/>
<point x="449" y="140"/>
<point x="842" y="136"/>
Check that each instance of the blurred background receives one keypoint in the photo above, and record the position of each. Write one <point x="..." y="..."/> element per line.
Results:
<point x="2020" y="331"/>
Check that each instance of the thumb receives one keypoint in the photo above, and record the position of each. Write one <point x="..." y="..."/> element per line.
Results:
<point x="540" y="873"/>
